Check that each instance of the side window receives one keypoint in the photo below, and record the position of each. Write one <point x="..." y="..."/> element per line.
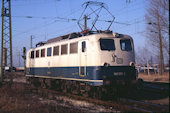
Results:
<point x="42" y="52"/>
<point x="74" y="47"/>
<point x="83" y="46"/>
<point x="56" y="50"/>
<point x="49" y="51"/>
<point x="37" y="53"/>
<point x="63" y="49"/>
<point x="32" y="54"/>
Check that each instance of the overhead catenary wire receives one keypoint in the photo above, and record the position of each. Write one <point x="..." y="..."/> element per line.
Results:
<point x="60" y="19"/>
<point x="131" y="9"/>
<point x="36" y="17"/>
<point x="32" y="2"/>
<point x="38" y="27"/>
<point x="63" y="19"/>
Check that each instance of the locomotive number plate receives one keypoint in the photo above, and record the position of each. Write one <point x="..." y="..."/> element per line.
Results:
<point x="119" y="73"/>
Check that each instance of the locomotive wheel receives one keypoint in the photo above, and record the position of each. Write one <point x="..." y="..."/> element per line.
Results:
<point x="84" y="89"/>
<point x="63" y="86"/>
<point x="58" y="85"/>
<point x="54" y="84"/>
<point x="104" y="93"/>
<point x="42" y="81"/>
<point x="75" y="89"/>
<point x="95" y="92"/>
<point x="48" y="83"/>
<point x="68" y="85"/>
<point x="109" y="93"/>
<point x="87" y="89"/>
<point x="35" y="81"/>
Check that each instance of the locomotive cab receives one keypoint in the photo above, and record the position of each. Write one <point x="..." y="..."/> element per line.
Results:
<point x="117" y="59"/>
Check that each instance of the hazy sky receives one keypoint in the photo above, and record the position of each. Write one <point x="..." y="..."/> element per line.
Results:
<point x="38" y="18"/>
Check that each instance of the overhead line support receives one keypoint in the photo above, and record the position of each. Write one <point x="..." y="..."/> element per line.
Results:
<point x="6" y="40"/>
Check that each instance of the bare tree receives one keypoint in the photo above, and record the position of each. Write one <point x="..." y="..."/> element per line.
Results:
<point x="141" y="58"/>
<point x="157" y="18"/>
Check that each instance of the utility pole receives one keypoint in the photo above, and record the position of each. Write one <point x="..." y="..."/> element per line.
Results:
<point x="31" y="42"/>
<point x="19" y="58"/>
<point x="148" y="67"/>
<point x="24" y="57"/>
<point x="85" y="22"/>
<point x="6" y="41"/>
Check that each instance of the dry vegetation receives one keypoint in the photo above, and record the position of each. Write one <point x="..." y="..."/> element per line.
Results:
<point x="154" y="77"/>
<point x="17" y="100"/>
<point x="20" y="99"/>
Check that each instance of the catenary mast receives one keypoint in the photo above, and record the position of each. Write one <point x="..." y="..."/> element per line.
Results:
<point x="6" y="39"/>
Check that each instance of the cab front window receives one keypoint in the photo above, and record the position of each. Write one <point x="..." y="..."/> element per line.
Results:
<point x="107" y="44"/>
<point x="125" y="45"/>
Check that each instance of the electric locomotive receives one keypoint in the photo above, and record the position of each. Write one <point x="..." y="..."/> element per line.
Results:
<point x="94" y="58"/>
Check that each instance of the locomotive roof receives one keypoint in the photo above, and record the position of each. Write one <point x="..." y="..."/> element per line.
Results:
<point x="78" y="35"/>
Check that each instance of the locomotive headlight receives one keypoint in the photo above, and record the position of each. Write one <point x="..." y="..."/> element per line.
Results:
<point x="106" y="64"/>
<point x="132" y="64"/>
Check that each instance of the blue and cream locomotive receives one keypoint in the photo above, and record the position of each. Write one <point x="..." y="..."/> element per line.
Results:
<point x="90" y="57"/>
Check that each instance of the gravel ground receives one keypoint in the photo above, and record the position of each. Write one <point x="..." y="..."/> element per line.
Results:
<point x="19" y="99"/>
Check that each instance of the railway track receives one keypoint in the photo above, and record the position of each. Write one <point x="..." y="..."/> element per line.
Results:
<point x="145" y="106"/>
<point x="157" y="86"/>
<point x="122" y="104"/>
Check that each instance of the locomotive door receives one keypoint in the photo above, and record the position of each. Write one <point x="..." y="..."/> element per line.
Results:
<point x="32" y="62"/>
<point x="82" y="58"/>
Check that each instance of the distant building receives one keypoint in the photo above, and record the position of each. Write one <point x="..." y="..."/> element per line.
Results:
<point x="154" y="69"/>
